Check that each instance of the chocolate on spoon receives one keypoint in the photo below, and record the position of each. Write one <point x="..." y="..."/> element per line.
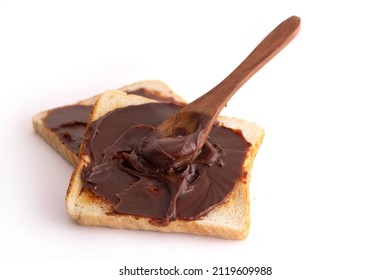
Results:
<point x="183" y="134"/>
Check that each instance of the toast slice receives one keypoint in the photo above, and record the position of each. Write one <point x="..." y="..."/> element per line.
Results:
<point x="152" y="89"/>
<point x="229" y="220"/>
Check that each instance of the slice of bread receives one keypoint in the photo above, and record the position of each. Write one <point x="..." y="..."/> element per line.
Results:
<point x="229" y="220"/>
<point x="154" y="89"/>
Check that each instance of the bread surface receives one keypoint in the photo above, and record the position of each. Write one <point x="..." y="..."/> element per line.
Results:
<point x="153" y="87"/>
<point x="228" y="220"/>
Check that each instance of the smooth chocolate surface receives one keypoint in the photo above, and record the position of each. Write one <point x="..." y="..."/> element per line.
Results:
<point x="70" y="122"/>
<point x="143" y="186"/>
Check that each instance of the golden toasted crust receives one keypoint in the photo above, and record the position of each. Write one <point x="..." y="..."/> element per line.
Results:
<point x="153" y="87"/>
<point x="229" y="220"/>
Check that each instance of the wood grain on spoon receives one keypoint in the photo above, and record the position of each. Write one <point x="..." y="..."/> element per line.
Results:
<point x="207" y="107"/>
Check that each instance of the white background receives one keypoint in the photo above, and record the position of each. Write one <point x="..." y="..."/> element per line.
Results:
<point x="320" y="194"/>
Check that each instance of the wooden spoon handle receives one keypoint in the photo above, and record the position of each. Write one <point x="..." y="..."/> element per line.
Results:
<point x="211" y="103"/>
<point x="275" y="41"/>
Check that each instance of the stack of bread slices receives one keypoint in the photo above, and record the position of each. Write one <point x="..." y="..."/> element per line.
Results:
<point x="229" y="219"/>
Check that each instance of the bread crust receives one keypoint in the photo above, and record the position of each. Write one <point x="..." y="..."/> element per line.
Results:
<point x="228" y="220"/>
<point x="153" y="87"/>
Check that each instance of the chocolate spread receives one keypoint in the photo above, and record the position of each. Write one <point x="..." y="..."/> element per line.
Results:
<point x="136" y="182"/>
<point x="69" y="122"/>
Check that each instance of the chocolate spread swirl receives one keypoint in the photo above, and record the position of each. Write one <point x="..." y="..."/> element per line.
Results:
<point x="136" y="182"/>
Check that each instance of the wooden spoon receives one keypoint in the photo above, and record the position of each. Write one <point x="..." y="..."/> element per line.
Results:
<point x="212" y="102"/>
<point x="201" y="114"/>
